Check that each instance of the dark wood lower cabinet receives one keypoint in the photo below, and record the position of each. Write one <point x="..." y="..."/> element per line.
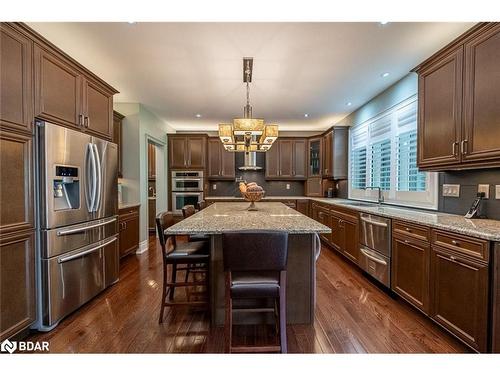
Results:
<point x="459" y="293"/>
<point x="410" y="270"/>
<point x="351" y="240"/>
<point x="128" y="224"/>
<point x="17" y="283"/>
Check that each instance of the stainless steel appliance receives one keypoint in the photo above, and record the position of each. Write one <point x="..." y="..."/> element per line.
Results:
<point x="375" y="247"/>
<point x="187" y="188"/>
<point x="187" y="181"/>
<point x="77" y="237"/>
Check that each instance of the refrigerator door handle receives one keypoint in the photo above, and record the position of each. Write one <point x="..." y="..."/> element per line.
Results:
<point x="90" y="177"/>
<point x="79" y="255"/>
<point x="83" y="229"/>
<point x="94" y="177"/>
<point x="98" y="184"/>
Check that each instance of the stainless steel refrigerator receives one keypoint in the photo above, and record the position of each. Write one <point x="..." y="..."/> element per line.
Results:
<point x="77" y="237"/>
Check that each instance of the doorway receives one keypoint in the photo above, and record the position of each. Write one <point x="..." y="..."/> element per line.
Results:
<point x="152" y="187"/>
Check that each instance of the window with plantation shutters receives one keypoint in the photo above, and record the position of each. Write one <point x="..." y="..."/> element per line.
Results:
<point x="383" y="153"/>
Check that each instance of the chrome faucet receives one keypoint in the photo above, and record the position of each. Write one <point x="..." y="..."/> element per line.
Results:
<point x="380" y="194"/>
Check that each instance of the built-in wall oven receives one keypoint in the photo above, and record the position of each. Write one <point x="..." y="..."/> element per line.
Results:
<point x="375" y="247"/>
<point x="187" y="181"/>
<point x="187" y="189"/>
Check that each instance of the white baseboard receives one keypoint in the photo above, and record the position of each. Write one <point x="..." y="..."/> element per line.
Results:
<point x="143" y="247"/>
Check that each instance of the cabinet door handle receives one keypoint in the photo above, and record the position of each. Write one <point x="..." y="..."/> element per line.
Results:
<point x="86" y="121"/>
<point x="453" y="258"/>
<point x="463" y="147"/>
<point x="454" y="148"/>
<point x="456" y="243"/>
<point x="407" y="242"/>
<point x="408" y="230"/>
<point x="81" y="119"/>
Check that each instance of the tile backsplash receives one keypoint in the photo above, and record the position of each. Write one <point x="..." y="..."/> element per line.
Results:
<point x="469" y="181"/>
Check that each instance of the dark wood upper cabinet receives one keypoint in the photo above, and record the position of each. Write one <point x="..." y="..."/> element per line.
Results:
<point x="273" y="161"/>
<point x="178" y="150"/>
<point x="314" y="157"/>
<point x="16" y="83"/>
<point x="220" y="163"/>
<point x="410" y="270"/>
<point x="482" y="96"/>
<point x="196" y="151"/>
<point x="286" y="160"/>
<point x="187" y="151"/>
<point x="328" y="154"/>
<point x="335" y="150"/>
<point x="98" y="113"/>
<point x="459" y="290"/>
<point x="17" y="283"/>
<point x="117" y="138"/>
<point x="16" y="174"/>
<point x="58" y="89"/>
<point x="440" y="106"/>
<point x="285" y="147"/>
<point x="459" y="105"/>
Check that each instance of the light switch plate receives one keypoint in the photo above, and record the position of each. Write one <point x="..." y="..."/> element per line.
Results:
<point x="451" y="190"/>
<point x="484" y="188"/>
<point x="497" y="191"/>
<point x="214" y="186"/>
<point x="287" y="186"/>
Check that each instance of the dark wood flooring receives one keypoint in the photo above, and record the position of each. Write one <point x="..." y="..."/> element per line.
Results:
<point x="352" y="316"/>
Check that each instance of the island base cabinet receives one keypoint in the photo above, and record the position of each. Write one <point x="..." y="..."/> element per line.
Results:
<point x="459" y="292"/>
<point x="410" y="271"/>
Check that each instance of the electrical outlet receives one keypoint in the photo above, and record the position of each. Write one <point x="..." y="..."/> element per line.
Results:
<point x="287" y="186"/>
<point x="497" y="191"/>
<point x="484" y="188"/>
<point x="451" y="190"/>
<point x="214" y="187"/>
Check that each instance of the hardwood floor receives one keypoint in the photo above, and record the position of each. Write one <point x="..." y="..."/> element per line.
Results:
<point x="352" y="316"/>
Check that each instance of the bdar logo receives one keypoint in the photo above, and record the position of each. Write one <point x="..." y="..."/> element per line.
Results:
<point x="8" y="346"/>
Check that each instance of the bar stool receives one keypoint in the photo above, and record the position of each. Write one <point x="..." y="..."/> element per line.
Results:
<point x="201" y="205"/>
<point x="255" y="268"/>
<point x="194" y="256"/>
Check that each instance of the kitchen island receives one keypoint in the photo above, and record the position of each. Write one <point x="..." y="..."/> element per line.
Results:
<point x="303" y="250"/>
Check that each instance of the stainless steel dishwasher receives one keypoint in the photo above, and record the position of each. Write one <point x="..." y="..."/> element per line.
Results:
<point x="375" y="247"/>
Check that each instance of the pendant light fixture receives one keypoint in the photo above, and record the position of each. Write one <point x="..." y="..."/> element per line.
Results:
<point x="248" y="134"/>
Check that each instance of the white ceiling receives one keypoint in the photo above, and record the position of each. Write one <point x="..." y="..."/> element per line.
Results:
<point x="180" y="69"/>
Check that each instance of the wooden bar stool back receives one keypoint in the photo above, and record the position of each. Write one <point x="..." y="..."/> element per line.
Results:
<point x="255" y="268"/>
<point x="190" y="256"/>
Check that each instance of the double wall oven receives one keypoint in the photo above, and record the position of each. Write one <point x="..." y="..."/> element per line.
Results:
<point x="187" y="188"/>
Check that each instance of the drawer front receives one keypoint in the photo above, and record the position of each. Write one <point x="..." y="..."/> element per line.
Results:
<point x="412" y="230"/>
<point x="471" y="246"/>
<point x="128" y="213"/>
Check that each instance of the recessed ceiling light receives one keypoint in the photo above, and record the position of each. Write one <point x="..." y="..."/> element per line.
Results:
<point x="131" y="22"/>
<point x="198" y="115"/>
<point x="306" y="114"/>
<point x="348" y="103"/>
<point x="383" y="75"/>
<point x="384" y="22"/>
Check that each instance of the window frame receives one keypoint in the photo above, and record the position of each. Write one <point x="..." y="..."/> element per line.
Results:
<point x="427" y="199"/>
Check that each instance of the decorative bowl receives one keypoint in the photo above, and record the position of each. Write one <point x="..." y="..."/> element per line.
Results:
<point x="253" y="196"/>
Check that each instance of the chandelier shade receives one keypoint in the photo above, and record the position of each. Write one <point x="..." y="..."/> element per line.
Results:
<point x="248" y="134"/>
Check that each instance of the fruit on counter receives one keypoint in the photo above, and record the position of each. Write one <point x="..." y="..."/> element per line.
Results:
<point x="243" y="187"/>
<point x="250" y="187"/>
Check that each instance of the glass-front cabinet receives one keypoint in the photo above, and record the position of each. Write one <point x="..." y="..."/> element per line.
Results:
<point x="314" y="157"/>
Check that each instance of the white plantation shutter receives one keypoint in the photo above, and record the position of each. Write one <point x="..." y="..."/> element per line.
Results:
<point x="383" y="153"/>
<point x="358" y="158"/>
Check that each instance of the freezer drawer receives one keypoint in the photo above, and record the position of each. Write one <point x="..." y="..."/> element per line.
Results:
<point x="376" y="264"/>
<point x="57" y="241"/>
<point x="72" y="279"/>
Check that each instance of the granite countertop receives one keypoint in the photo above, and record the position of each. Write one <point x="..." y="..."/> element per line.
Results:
<point x="229" y="216"/>
<point x="240" y="198"/>
<point x="483" y="228"/>
<point x="127" y="205"/>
